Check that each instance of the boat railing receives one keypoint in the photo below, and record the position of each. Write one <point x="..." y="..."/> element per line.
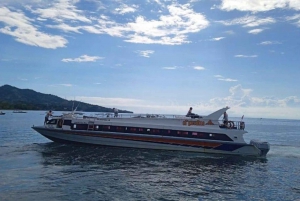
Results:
<point x="239" y="125"/>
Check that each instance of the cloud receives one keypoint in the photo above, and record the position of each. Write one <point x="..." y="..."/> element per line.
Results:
<point x="66" y="85"/>
<point x="126" y="9"/>
<point x="248" y="21"/>
<point x="145" y="53"/>
<point x="62" y="10"/>
<point x="242" y="97"/>
<point x="255" y="31"/>
<point x="239" y="99"/>
<point x="170" y="68"/>
<point x="199" y="68"/>
<point x="20" y="27"/>
<point x="245" y="56"/>
<point x="270" y="43"/>
<point x="259" y="5"/>
<point x="295" y="18"/>
<point x="229" y="32"/>
<point x="171" y="26"/>
<point x="82" y="58"/>
<point x="169" y="29"/>
<point x="221" y="78"/>
<point x="217" y="39"/>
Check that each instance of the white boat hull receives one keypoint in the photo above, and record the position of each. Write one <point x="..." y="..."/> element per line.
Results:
<point x="145" y="142"/>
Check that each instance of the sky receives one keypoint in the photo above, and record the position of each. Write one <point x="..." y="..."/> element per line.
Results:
<point x="157" y="56"/>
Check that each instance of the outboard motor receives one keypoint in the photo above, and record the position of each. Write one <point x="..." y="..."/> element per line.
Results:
<point x="264" y="147"/>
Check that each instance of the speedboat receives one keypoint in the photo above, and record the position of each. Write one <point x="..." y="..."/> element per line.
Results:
<point x="204" y="134"/>
<point x="2" y="113"/>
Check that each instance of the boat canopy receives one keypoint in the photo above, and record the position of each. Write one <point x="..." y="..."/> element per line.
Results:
<point x="217" y="114"/>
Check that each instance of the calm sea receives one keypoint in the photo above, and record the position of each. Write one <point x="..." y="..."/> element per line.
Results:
<point x="34" y="168"/>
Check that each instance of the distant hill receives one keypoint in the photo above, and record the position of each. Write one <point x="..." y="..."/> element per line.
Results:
<point x="27" y="99"/>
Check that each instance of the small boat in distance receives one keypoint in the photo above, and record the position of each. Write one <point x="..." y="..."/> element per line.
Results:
<point x="2" y="113"/>
<point x="19" y="111"/>
<point x="205" y="134"/>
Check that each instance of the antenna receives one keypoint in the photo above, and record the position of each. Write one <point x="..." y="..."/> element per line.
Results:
<point x="77" y="106"/>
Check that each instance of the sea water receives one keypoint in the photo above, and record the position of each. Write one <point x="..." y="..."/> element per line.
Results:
<point x="34" y="168"/>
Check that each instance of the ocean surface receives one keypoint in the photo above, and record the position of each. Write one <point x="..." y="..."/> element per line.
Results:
<point x="34" y="168"/>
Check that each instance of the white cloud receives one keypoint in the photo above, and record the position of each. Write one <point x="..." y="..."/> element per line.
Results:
<point x="245" y="56"/>
<point x="170" y="28"/>
<point x="295" y="18"/>
<point x="259" y="5"/>
<point x="240" y="96"/>
<point x="270" y="43"/>
<point x="62" y="10"/>
<point x="221" y="78"/>
<point x="240" y="101"/>
<point x="20" y="27"/>
<point x="170" y="68"/>
<point x="66" y="85"/>
<point x="145" y="53"/>
<point x="229" y="32"/>
<point x="217" y="39"/>
<point x="199" y="68"/>
<point x="227" y="80"/>
<point x="83" y="58"/>
<point x="126" y="9"/>
<point x="255" y="31"/>
<point x="249" y="21"/>
<point x="66" y="28"/>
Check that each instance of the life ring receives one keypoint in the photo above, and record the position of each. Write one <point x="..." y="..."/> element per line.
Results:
<point x="231" y="124"/>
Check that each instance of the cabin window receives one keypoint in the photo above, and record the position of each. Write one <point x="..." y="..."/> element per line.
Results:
<point x="155" y="131"/>
<point x="106" y="127"/>
<point x="74" y="126"/>
<point x="148" y="129"/>
<point x="141" y="129"/>
<point x="67" y="122"/>
<point x="133" y="129"/>
<point x="119" y="129"/>
<point x="194" y="133"/>
<point x="52" y="121"/>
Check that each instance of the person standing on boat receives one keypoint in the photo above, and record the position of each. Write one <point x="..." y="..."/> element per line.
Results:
<point x="225" y="119"/>
<point x="47" y="116"/>
<point x="192" y="115"/>
<point x="116" y="112"/>
<point x="189" y="114"/>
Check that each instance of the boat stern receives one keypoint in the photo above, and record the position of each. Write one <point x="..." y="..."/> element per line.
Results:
<point x="264" y="147"/>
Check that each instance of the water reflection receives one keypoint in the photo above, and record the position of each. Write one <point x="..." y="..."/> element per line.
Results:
<point x="117" y="157"/>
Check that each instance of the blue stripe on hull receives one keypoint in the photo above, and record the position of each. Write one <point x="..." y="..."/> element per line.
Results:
<point x="229" y="147"/>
